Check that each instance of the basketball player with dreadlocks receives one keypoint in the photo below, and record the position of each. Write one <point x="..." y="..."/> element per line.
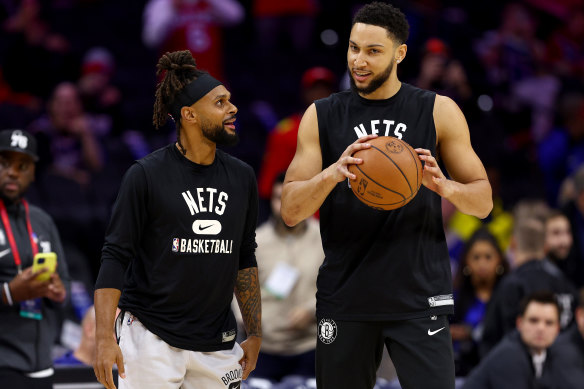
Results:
<point x="385" y="279"/>
<point x="181" y="239"/>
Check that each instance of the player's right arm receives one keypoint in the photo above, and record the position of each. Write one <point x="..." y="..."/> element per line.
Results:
<point x="107" y="350"/>
<point x="307" y="185"/>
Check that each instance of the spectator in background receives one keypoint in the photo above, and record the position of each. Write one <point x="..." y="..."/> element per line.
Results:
<point x="532" y="273"/>
<point x="441" y="73"/>
<point x="289" y="258"/>
<point x="562" y="151"/>
<point x="84" y="353"/>
<point x="71" y="136"/>
<point x="317" y="83"/>
<point x="482" y="266"/>
<point x="35" y="57"/>
<point x="30" y="308"/>
<point x="568" y="352"/>
<point x="171" y="25"/>
<point x="277" y="21"/>
<point x="522" y="360"/>
<point x="574" y="210"/>
<point x="565" y="47"/>
<point x="558" y="240"/>
<point x="98" y="94"/>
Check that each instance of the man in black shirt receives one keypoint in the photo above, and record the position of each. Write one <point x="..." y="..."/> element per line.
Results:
<point x="522" y="360"/>
<point x="30" y="308"/>
<point x="386" y="276"/>
<point x="180" y="241"/>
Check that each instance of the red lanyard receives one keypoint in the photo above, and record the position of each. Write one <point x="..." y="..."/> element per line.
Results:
<point x="6" y="222"/>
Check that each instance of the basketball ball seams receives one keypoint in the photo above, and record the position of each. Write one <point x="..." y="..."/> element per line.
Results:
<point x="378" y="184"/>
<point x="416" y="159"/>
<point x="397" y="166"/>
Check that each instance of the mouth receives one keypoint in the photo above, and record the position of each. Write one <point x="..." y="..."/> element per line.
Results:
<point x="361" y="75"/>
<point x="10" y="187"/>
<point x="230" y="123"/>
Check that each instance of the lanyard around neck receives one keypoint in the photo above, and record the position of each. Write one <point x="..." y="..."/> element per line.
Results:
<point x="6" y="222"/>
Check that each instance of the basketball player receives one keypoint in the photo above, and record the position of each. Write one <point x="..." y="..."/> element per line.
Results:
<point x="180" y="241"/>
<point x="386" y="275"/>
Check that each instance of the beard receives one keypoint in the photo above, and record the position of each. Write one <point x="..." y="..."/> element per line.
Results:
<point x="374" y="84"/>
<point x="218" y="134"/>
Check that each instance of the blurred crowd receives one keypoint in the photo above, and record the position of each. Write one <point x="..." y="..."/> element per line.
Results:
<point x="78" y="75"/>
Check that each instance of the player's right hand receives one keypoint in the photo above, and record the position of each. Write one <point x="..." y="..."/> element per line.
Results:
<point x="340" y="169"/>
<point x="108" y="352"/>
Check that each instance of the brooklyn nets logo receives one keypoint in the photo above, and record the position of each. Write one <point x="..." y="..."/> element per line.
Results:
<point x="327" y="331"/>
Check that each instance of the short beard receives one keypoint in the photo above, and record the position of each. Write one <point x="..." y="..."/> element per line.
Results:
<point x="218" y="134"/>
<point x="374" y="84"/>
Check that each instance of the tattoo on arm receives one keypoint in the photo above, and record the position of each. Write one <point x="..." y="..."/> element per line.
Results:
<point x="247" y="292"/>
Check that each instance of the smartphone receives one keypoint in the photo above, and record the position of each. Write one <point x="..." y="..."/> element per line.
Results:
<point x="44" y="260"/>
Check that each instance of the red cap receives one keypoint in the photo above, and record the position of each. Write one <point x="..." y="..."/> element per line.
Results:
<point x="316" y="74"/>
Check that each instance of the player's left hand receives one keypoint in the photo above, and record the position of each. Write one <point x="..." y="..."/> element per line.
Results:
<point x="56" y="290"/>
<point x="433" y="178"/>
<point x="251" y="349"/>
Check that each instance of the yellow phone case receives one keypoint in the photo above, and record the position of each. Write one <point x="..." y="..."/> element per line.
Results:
<point x="44" y="260"/>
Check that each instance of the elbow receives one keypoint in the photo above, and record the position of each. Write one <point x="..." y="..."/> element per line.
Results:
<point x="289" y="218"/>
<point x="485" y="209"/>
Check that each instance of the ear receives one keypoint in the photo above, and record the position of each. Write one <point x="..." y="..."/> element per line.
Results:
<point x="188" y="114"/>
<point x="400" y="52"/>
<point x="518" y="322"/>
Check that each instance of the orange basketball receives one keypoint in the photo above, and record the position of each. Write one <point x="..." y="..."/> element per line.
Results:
<point x="390" y="175"/>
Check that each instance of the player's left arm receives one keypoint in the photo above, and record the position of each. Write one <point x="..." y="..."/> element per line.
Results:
<point x="469" y="188"/>
<point x="247" y="292"/>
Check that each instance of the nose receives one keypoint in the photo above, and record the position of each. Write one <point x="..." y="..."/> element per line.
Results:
<point x="359" y="61"/>
<point x="233" y="109"/>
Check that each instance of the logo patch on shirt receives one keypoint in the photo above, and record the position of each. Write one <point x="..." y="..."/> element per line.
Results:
<point x="228" y="336"/>
<point x="327" y="331"/>
<point x="175" y="245"/>
<point x="438" y="301"/>
<point x="206" y="227"/>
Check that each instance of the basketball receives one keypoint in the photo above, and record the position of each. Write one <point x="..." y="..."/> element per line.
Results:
<point x="390" y="175"/>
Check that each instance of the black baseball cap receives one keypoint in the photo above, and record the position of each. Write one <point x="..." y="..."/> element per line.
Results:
<point x="19" y="141"/>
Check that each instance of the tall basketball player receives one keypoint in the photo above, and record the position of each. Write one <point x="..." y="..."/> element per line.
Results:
<point x="386" y="276"/>
<point x="180" y="240"/>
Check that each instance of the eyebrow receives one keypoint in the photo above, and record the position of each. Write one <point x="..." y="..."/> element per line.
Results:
<point x="222" y="96"/>
<point x="371" y="45"/>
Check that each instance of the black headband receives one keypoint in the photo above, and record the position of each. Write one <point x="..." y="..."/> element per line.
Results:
<point x="193" y="93"/>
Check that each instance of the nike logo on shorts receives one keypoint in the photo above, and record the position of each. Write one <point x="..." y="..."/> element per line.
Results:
<point x="4" y="252"/>
<point x="435" y="332"/>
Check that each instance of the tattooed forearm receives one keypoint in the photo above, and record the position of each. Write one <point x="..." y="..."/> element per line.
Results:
<point x="247" y="292"/>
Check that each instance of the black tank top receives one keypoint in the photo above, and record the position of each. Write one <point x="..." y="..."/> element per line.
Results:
<point x="381" y="265"/>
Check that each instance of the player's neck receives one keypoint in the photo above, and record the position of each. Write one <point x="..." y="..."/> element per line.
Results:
<point x="199" y="149"/>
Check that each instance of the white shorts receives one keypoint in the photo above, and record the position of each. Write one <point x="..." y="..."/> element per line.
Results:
<point x="150" y="362"/>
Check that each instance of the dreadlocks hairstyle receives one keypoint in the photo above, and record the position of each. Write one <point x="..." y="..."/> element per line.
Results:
<point x="386" y="16"/>
<point x="179" y="69"/>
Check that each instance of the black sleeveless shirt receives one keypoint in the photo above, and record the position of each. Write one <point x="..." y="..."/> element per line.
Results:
<point x="381" y="265"/>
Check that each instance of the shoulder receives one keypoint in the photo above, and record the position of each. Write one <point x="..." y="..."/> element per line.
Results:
<point x="235" y="163"/>
<point x="334" y="99"/>
<point x="155" y="157"/>
<point x="39" y="215"/>
<point x="411" y="91"/>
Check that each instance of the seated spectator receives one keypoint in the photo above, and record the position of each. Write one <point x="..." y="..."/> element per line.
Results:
<point x="521" y="360"/>
<point x="533" y="273"/>
<point x="558" y="240"/>
<point x="289" y="258"/>
<point x="84" y="354"/>
<point x="568" y="352"/>
<point x="574" y="209"/>
<point x="482" y="266"/>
